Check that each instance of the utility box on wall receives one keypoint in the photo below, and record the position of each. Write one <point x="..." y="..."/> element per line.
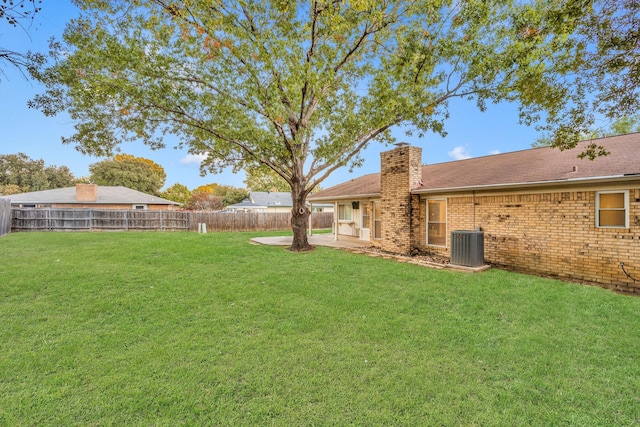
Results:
<point x="467" y="248"/>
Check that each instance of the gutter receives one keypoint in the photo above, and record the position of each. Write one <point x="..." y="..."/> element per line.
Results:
<point x="594" y="180"/>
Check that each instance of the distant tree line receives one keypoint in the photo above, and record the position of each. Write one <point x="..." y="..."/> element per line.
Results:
<point x="21" y="174"/>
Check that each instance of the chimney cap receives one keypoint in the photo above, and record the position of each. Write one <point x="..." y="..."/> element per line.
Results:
<point x="401" y="144"/>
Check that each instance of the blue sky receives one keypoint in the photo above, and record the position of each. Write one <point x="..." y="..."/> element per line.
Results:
<point x="470" y="132"/>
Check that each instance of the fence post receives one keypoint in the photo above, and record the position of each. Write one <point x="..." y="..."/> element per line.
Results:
<point x="5" y="217"/>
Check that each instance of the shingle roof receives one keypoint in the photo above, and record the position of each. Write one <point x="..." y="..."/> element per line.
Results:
<point x="106" y="195"/>
<point x="537" y="165"/>
<point x="267" y="198"/>
<point x="368" y="185"/>
<point x="246" y="203"/>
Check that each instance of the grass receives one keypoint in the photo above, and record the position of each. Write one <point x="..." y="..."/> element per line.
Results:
<point x="188" y="329"/>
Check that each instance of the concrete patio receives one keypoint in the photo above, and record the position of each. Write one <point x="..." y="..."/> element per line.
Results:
<point x="314" y="239"/>
<point x="358" y="246"/>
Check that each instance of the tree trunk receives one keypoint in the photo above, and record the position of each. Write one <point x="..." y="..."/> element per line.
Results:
<point x="299" y="220"/>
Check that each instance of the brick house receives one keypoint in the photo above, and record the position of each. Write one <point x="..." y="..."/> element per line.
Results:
<point x="92" y="196"/>
<point x="542" y="211"/>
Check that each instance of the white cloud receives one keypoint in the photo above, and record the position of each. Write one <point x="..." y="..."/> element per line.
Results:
<point x="492" y="152"/>
<point x="193" y="158"/>
<point x="459" y="153"/>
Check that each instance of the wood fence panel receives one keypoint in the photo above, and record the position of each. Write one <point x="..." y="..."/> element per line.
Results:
<point x="110" y="220"/>
<point x="253" y="221"/>
<point x="69" y="219"/>
<point x="26" y="219"/>
<point x="5" y="216"/>
<point x="39" y="219"/>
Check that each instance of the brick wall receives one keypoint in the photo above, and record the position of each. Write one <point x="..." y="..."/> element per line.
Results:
<point x="400" y="171"/>
<point x="86" y="192"/>
<point x="551" y="233"/>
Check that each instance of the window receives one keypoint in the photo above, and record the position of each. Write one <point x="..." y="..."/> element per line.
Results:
<point x="437" y="222"/>
<point x="612" y="209"/>
<point x="139" y="206"/>
<point x="377" y="221"/>
<point x="345" y="212"/>
<point x="366" y="215"/>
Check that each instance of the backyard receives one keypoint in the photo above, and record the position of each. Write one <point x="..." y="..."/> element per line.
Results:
<point x="151" y="328"/>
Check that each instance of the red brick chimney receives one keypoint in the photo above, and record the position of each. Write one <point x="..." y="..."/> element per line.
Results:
<point x="86" y="193"/>
<point x="400" y="172"/>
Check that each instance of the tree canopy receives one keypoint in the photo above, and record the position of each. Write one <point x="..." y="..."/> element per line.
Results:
<point x="261" y="178"/>
<point x="229" y="195"/>
<point x="299" y="87"/>
<point x="129" y="171"/>
<point x="203" y="201"/>
<point x="14" y="13"/>
<point x="20" y="174"/>
<point x="177" y="192"/>
<point x="597" y="72"/>
<point x="620" y="126"/>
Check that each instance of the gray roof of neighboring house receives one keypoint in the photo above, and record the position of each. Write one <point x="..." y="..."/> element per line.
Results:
<point x="106" y="196"/>
<point x="246" y="204"/>
<point x="270" y="199"/>
<point x="519" y="168"/>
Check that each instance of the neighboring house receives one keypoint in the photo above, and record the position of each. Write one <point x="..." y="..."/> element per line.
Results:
<point x="246" y="206"/>
<point x="542" y="211"/>
<point x="264" y="201"/>
<point x="91" y="196"/>
<point x="271" y="201"/>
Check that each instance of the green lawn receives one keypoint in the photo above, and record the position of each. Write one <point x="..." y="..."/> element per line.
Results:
<point x="189" y="329"/>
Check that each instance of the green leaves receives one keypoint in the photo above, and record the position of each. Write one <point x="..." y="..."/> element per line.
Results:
<point x="20" y="174"/>
<point x="128" y="171"/>
<point x="302" y="87"/>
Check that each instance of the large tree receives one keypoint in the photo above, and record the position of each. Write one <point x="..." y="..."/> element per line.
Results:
<point x="20" y="173"/>
<point x="300" y="87"/>
<point x="129" y="171"/>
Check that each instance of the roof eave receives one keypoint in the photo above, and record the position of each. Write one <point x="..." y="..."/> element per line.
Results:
<point x="345" y="197"/>
<point x="590" y="180"/>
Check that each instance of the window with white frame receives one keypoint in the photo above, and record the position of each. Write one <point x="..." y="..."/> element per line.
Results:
<point x="139" y="207"/>
<point x="612" y="209"/>
<point x="345" y="212"/>
<point x="366" y="215"/>
<point x="377" y="220"/>
<point x="437" y="222"/>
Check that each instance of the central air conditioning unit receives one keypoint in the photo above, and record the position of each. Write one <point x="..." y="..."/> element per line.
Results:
<point x="467" y="248"/>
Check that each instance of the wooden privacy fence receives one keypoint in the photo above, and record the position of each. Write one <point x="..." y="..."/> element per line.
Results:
<point x="5" y="216"/>
<point x="51" y="219"/>
<point x="41" y="219"/>
<point x="254" y="221"/>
